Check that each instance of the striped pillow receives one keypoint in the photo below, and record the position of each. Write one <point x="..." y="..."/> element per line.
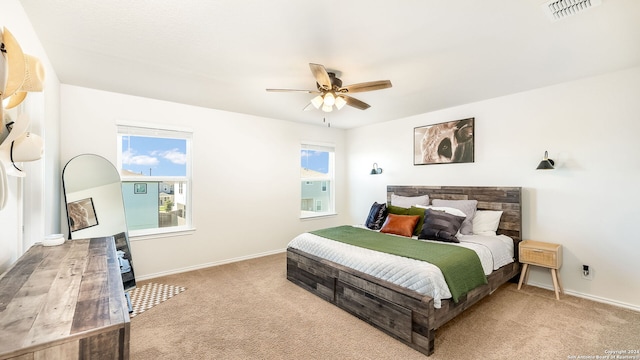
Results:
<point x="466" y="206"/>
<point x="440" y="226"/>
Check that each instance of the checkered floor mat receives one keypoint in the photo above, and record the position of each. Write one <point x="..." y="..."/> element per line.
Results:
<point x="149" y="295"/>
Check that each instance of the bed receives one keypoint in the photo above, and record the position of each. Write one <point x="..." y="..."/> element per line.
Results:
<point x="404" y="313"/>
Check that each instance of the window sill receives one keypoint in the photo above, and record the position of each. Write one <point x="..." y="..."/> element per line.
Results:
<point x="312" y="215"/>
<point x="137" y="235"/>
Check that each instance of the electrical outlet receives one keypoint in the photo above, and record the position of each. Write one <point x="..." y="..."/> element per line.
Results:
<point x="587" y="272"/>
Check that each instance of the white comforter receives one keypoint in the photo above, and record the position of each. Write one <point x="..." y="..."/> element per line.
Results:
<point x="420" y="276"/>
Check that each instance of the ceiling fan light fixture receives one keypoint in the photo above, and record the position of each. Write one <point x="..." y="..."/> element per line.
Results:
<point x="340" y="102"/>
<point x="330" y="91"/>
<point x="317" y="101"/>
<point x="329" y="99"/>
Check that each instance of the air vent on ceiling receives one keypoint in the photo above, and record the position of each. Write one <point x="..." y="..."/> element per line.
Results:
<point x="560" y="9"/>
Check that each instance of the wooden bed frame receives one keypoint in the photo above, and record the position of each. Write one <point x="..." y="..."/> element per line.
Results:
<point x="405" y="314"/>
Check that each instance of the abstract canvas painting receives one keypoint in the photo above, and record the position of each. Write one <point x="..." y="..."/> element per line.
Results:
<point x="449" y="142"/>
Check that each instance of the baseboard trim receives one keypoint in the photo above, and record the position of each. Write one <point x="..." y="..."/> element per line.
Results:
<point x="589" y="297"/>
<point x="206" y="265"/>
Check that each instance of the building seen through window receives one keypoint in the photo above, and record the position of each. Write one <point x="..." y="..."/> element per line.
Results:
<point x="317" y="180"/>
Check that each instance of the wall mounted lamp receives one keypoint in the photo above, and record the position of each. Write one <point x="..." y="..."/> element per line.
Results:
<point x="546" y="163"/>
<point x="376" y="170"/>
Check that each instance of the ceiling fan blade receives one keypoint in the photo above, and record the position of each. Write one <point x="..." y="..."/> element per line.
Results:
<point x="366" y="86"/>
<point x="356" y="103"/>
<point x="309" y="107"/>
<point x="294" y="90"/>
<point x="321" y="75"/>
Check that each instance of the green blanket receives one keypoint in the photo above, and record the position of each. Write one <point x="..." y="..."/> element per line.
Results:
<point x="460" y="266"/>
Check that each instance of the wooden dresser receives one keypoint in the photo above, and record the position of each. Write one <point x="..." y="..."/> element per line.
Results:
<point x="65" y="302"/>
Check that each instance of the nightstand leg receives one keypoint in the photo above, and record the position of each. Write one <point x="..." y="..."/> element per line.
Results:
<point x="523" y="274"/>
<point x="559" y="282"/>
<point x="556" y="283"/>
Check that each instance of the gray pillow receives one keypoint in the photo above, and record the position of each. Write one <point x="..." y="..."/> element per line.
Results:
<point x="466" y="206"/>
<point x="440" y="226"/>
<point x="409" y="201"/>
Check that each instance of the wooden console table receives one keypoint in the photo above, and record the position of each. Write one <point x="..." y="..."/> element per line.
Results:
<point x="65" y="302"/>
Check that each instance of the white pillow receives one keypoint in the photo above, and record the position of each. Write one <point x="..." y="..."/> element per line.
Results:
<point x="448" y="210"/>
<point x="409" y="201"/>
<point x="486" y="222"/>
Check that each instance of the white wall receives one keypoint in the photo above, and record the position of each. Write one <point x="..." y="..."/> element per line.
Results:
<point x="246" y="171"/>
<point x="589" y="204"/>
<point x="32" y="200"/>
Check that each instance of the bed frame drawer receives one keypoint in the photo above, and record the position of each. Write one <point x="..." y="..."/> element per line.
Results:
<point x="399" y="312"/>
<point x="392" y="318"/>
<point x="317" y="278"/>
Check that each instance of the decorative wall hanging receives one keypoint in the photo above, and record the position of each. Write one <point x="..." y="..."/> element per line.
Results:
<point x="449" y="142"/>
<point x="19" y="73"/>
<point x="20" y="145"/>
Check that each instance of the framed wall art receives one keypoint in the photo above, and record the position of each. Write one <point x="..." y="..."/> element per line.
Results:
<point x="449" y="142"/>
<point x="82" y="214"/>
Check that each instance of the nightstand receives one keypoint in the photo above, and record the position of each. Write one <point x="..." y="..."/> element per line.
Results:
<point x="543" y="254"/>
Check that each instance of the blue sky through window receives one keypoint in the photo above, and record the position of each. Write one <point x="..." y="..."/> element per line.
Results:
<point x="151" y="156"/>
<point x="315" y="160"/>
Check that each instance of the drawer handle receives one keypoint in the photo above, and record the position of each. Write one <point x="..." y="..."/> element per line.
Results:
<point x="537" y="250"/>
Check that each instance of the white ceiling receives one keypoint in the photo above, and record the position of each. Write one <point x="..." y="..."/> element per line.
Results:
<point x="223" y="54"/>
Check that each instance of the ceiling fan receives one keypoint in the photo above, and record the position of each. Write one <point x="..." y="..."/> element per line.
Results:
<point x="331" y="92"/>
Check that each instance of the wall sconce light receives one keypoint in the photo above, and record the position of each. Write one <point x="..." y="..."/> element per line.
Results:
<point x="546" y="163"/>
<point x="376" y="170"/>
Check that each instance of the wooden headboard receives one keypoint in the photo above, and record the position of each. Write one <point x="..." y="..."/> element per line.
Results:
<point x="507" y="199"/>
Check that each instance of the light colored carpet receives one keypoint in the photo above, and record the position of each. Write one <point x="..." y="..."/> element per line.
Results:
<point x="151" y="294"/>
<point x="248" y="310"/>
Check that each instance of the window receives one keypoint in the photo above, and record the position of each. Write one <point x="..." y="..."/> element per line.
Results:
<point x="317" y="180"/>
<point x="157" y="160"/>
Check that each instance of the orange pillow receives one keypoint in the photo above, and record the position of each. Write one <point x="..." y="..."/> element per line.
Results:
<point x="400" y="224"/>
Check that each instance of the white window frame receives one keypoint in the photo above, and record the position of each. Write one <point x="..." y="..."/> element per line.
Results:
<point x="161" y="131"/>
<point x="330" y="178"/>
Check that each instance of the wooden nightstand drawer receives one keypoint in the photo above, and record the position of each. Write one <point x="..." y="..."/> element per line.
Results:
<point x="541" y="254"/>
<point x="539" y="257"/>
